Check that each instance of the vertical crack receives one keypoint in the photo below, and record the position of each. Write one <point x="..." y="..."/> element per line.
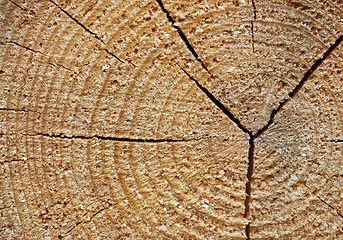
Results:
<point x="251" y="148"/>
<point x="252" y="26"/>
<point x="252" y="36"/>
<point x="182" y="35"/>
<point x="254" y="7"/>
<point x="248" y="184"/>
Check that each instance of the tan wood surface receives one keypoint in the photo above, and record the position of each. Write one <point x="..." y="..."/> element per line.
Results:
<point x="160" y="119"/>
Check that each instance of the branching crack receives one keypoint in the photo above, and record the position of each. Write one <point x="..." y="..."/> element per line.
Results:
<point x="274" y="112"/>
<point x="149" y="140"/>
<point x="89" y="31"/>
<point x="182" y="35"/>
<point x="251" y="145"/>
<point x="252" y="136"/>
<point x="307" y="75"/>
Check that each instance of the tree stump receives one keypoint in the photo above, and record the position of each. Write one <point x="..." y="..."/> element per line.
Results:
<point x="160" y="119"/>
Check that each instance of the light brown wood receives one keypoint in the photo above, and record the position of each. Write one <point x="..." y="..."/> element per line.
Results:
<point x="171" y="119"/>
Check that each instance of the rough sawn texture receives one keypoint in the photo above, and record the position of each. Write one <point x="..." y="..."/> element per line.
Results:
<point x="167" y="119"/>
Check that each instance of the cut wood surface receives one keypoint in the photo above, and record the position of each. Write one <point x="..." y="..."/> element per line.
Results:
<point x="159" y="119"/>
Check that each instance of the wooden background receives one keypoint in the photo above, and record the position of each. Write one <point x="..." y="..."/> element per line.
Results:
<point x="160" y="119"/>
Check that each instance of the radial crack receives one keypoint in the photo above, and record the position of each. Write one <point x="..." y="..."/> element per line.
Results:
<point x="307" y="75"/>
<point x="182" y="35"/>
<point x="149" y="140"/>
<point x="56" y="64"/>
<point x="251" y="148"/>
<point x="339" y="214"/>
<point x="217" y="103"/>
<point x="113" y="55"/>
<point x="36" y="51"/>
<point x="78" y="22"/>
<point x="20" y="7"/>
<point x="27" y="48"/>
<point x="87" y="30"/>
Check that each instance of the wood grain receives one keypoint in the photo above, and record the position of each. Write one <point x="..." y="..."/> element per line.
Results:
<point x="161" y="119"/>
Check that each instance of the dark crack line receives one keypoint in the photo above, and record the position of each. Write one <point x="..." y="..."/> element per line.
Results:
<point x="72" y="228"/>
<point x="335" y="141"/>
<point x="248" y="184"/>
<point x="35" y="51"/>
<point x="112" y="138"/>
<point x="330" y="206"/>
<point x="56" y="64"/>
<point x="13" y="109"/>
<point x="254" y="8"/>
<point x="78" y="22"/>
<point x="27" y="48"/>
<point x="251" y="148"/>
<point x="20" y="7"/>
<point x="252" y="36"/>
<point x="17" y="160"/>
<point x="274" y="112"/>
<point x="96" y="213"/>
<point x="110" y="53"/>
<point x="217" y="103"/>
<point x="307" y="75"/>
<point x="113" y="55"/>
<point x="87" y="221"/>
<point x="252" y="26"/>
<point x="182" y="35"/>
<point x="89" y="31"/>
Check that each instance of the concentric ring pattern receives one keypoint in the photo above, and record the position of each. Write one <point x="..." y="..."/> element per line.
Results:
<point x="106" y="137"/>
<point x="108" y="129"/>
<point x="297" y="182"/>
<point x="257" y="51"/>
